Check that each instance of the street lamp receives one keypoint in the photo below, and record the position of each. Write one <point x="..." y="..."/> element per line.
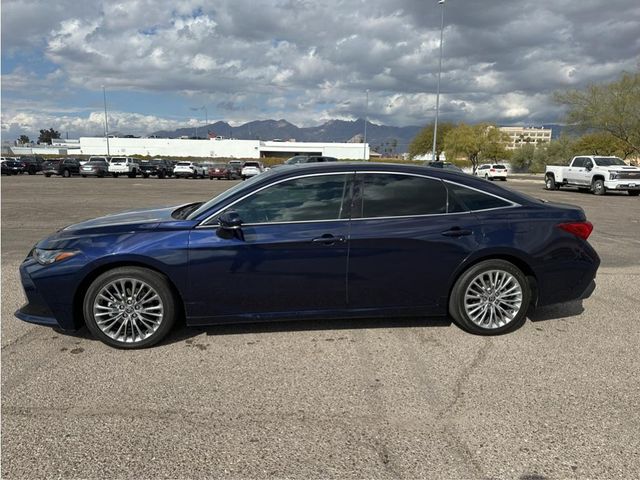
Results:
<point x="435" y="125"/>
<point x="106" y="123"/>
<point x="364" y="140"/>
<point x="206" y="116"/>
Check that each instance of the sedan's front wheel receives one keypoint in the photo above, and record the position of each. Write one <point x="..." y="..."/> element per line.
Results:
<point x="490" y="298"/>
<point x="129" y="307"/>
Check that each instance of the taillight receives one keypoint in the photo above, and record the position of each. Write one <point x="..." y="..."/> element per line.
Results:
<point x="492" y="170"/>
<point x="579" y="229"/>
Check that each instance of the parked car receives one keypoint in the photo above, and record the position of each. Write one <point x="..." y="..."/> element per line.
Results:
<point x="12" y="167"/>
<point x="309" y="159"/>
<point x="492" y="171"/>
<point x="158" y="167"/>
<point x="65" y="167"/>
<point x="32" y="164"/>
<point x="124" y="166"/>
<point x="596" y="174"/>
<point x="219" y="171"/>
<point x="95" y="168"/>
<point x="444" y="243"/>
<point x="95" y="158"/>
<point x="189" y="169"/>
<point x="445" y="165"/>
<point x="251" y="169"/>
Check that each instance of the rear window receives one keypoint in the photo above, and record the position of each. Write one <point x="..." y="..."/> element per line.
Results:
<point x="183" y="164"/>
<point x="251" y="164"/>
<point x="501" y="167"/>
<point x="463" y="199"/>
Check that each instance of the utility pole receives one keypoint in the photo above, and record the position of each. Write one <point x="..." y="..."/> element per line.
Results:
<point x="106" y="122"/>
<point x="435" y="125"/>
<point x="364" y="140"/>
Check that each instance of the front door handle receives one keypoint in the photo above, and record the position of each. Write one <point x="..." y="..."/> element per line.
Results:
<point x="457" y="232"/>
<point x="328" y="239"/>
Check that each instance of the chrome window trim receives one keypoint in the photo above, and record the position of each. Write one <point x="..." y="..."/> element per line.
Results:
<point x="512" y="204"/>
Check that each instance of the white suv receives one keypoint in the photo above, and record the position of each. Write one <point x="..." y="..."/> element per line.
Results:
<point x="123" y="166"/>
<point x="492" y="171"/>
<point x="251" y="169"/>
<point x="188" y="169"/>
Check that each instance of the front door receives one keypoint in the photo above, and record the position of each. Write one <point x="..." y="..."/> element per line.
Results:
<point x="290" y="254"/>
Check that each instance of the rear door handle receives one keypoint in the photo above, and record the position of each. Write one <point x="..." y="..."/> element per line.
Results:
<point x="457" y="232"/>
<point x="328" y="239"/>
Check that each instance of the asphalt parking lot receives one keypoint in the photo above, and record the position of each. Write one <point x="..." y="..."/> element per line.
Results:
<point x="559" y="398"/>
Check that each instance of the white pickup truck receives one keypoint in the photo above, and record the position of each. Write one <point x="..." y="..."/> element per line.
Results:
<point x="596" y="174"/>
<point x="123" y="166"/>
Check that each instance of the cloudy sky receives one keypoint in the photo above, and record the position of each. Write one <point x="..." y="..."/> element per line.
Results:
<point x="307" y="61"/>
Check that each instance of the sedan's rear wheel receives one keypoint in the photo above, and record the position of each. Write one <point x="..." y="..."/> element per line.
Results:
<point x="129" y="307"/>
<point x="490" y="298"/>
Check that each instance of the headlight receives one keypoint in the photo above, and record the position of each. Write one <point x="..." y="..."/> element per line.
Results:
<point x="46" y="257"/>
<point x="613" y="175"/>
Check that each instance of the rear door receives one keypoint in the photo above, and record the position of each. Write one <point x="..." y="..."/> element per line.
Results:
<point x="405" y="242"/>
<point x="289" y="256"/>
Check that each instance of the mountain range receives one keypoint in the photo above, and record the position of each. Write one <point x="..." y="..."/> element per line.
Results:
<point x="382" y="136"/>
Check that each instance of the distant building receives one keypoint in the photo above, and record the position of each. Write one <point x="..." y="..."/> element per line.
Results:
<point x="219" y="148"/>
<point x="526" y="135"/>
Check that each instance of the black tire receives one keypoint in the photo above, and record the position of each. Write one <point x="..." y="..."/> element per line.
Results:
<point x="145" y="175"/>
<point x="210" y="178"/>
<point x="456" y="300"/>
<point x="66" y="173"/>
<point x="633" y="193"/>
<point x="115" y="175"/>
<point x="486" y="176"/>
<point x="101" y="175"/>
<point x="46" y="175"/>
<point x="597" y="187"/>
<point x="84" y="176"/>
<point x="132" y="174"/>
<point x="162" y="174"/>
<point x="504" y="179"/>
<point x="550" y="182"/>
<point x="32" y="170"/>
<point x="155" y="280"/>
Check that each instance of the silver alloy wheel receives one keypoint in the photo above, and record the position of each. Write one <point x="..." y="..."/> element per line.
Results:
<point x="493" y="299"/>
<point x="128" y="310"/>
<point x="548" y="183"/>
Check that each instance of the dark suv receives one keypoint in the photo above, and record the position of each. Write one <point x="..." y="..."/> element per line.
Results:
<point x="65" y="167"/>
<point x="32" y="164"/>
<point x="158" y="167"/>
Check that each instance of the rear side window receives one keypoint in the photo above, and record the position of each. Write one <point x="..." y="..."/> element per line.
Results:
<point x="392" y="195"/>
<point x="463" y="199"/>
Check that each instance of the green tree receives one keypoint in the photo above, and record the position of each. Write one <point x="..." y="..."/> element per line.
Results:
<point x="522" y="158"/>
<point x="601" y="143"/>
<point x="612" y="108"/>
<point x="422" y="144"/>
<point x="23" y="139"/>
<point x="47" y="135"/>
<point x="476" y="142"/>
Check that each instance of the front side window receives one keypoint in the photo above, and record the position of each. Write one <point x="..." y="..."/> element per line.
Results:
<point x="313" y="198"/>
<point x="578" y="162"/>
<point x="397" y="195"/>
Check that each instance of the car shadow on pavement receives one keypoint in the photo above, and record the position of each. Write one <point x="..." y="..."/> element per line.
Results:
<point x="555" y="312"/>
<point x="182" y="332"/>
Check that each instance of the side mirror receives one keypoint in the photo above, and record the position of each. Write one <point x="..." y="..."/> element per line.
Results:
<point x="230" y="226"/>
<point x="230" y="221"/>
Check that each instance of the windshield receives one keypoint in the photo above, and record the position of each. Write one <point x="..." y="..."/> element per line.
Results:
<point x="117" y="160"/>
<point x="226" y="194"/>
<point x="97" y="162"/>
<point x="608" y="161"/>
<point x="297" y="159"/>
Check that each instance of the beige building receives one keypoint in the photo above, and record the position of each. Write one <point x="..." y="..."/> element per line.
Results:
<point x="526" y="135"/>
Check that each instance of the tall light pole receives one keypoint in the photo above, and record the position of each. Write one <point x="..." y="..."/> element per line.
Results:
<point x="364" y="140"/>
<point x="206" y="116"/>
<point x="106" y="123"/>
<point x="435" y="125"/>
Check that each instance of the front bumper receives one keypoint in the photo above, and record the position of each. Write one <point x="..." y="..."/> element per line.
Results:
<point x="622" y="184"/>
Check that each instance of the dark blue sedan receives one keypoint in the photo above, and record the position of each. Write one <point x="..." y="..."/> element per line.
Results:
<point x="315" y="241"/>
